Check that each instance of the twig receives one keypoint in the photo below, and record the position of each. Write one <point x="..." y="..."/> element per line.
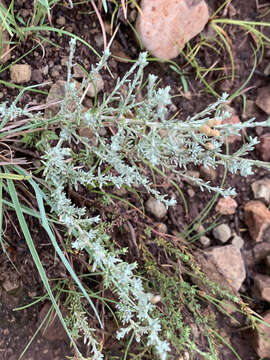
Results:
<point x="101" y="24"/>
<point x="133" y="237"/>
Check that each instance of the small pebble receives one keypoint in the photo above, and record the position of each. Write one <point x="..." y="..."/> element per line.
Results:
<point x="55" y="73"/>
<point x="61" y="21"/>
<point x="226" y="206"/>
<point x="261" y="189"/>
<point x="222" y="233"/>
<point x="208" y="173"/>
<point x="156" y="208"/>
<point x="191" y="193"/>
<point x="205" y="241"/>
<point x="238" y="242"/>
<point x="162" y="228"/>
<point x="99" y="40"/>
<point x="37" y="76"/>
<point x="45" y="70"/>
<point x="20" y="73"/>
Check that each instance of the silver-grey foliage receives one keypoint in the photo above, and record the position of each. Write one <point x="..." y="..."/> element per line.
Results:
<point x="140" y="133"/>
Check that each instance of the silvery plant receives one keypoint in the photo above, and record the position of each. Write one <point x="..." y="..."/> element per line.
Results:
<point x="131" y="130"/>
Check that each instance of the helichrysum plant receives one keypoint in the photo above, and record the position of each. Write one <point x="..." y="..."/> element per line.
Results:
<point x="138" y="132"/>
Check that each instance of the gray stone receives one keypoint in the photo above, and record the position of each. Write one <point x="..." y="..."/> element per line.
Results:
<point x="99" y="40"/>
<point x="156" y="208"/>
<point x="191" y="192"/>
<point x="261" y="189"/>
<point x="205" y="241"/>
<point x="57" y="94"/>
<point x="11" y="282"/>
<point x="226" y="206"/>
<point x="162" y="228"/>
<point x="222" y="233"/>
<point x="263" y="147"/>
<point x="237" y="241"/>
<point x="258" y="253"/>
<point x="37" y="76"/>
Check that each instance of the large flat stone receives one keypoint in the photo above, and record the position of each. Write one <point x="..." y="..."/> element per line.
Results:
<point x="230" y="269"/>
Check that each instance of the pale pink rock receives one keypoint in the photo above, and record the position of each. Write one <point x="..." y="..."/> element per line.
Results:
<point x="222" y="264"/>
<point x="229" y="262"/>
<point x="261" y="189"/>
<point x="226" y="206"/>
<point x="257" y="218"/>
<point x="165" y="26"/>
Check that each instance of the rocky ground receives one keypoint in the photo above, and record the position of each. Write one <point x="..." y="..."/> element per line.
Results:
<point x="238" y="246"/>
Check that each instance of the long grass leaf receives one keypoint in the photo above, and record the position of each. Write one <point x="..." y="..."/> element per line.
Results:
<point x="39" y="196"/>
<point x="2" y="242"/>
<point x="33" y="251"/>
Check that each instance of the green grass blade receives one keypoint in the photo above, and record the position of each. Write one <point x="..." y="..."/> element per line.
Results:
<point x="60" y="32"/>
<point x="39" y="196"/>
<point x="223" y="36"/>
<point x="221" y="338"/>
<point x="238" y="92"/>
<point x="33" y="251"/>
<point x="2" y="242"/>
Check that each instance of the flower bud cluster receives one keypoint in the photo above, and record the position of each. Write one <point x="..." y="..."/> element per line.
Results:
<point x="209" y="128"/>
